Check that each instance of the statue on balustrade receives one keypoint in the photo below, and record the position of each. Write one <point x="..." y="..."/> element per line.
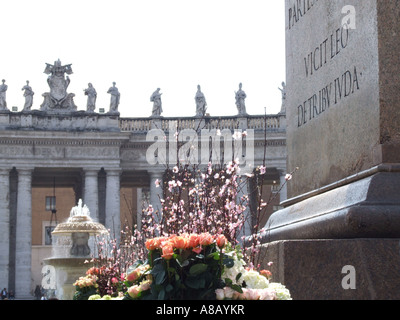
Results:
<point x="28" y="94"/>
<point x="3" y="90"/>
<point x="58" y="98"/>
<point x="115" y="98"/>
<point x="92" y="96"/>
<point x="240" y="96"/>
<point x="201" y="103"/>
<point x="157" y="104"/>
<point x="283" y="91"/>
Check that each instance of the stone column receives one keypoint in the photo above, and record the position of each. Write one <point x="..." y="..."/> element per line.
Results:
<point x="23" y="235"/>
<point x="139" y="200"/>
<point x="156" y="193"/>
<point x="91" y="193"/>
<point x="283" y="193"/>
<point x="247" y="228"/>
<point x="142" y="203"/>
<point x="4" y="225"/>
<point x="113" y="218"/>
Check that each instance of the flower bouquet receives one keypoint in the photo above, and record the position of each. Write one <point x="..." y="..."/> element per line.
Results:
<point x="196" y="267"/>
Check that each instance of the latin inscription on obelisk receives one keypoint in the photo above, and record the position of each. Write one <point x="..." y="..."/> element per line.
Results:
<point x="333" y="90"/>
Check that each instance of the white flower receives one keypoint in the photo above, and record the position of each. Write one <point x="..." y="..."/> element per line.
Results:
<point x="281" y="292"/>
<point x="288" y="177"/>
<point x="254" y="280"/>
<point x="237" y="135"/>
<point x="231" y="273"/>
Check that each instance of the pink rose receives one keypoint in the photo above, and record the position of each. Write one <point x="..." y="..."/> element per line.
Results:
<point x="220" y="294"/>
<point x="145" y="285"/>
<point x="133" y="275"/>
<point x="266" y="294"/>
<point x="114" y="280"/>
<point x="134" y="291"/>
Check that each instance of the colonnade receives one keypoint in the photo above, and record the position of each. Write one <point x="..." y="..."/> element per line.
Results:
<point x="21" y="206"/>
<point x="23" y="217"/>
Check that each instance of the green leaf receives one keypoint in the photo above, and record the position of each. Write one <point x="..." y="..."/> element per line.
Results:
<point x="185" y="263"/>
<point x="160" y="277"/>
<point x="169" y="288"/>
<point x="238" y="276"/>
<point x="161" y="295"/>
<point x="228" y="282"/>
<point x="237" y="288"/>
<point x="159" y="273"/>
<point x="195" y="283"/>
<point x="228" y="262"/>
<point x="214" y="255"/>
<point x="197" y="269"/>
<point x="172" y="270"/>
<point x="192" y="283"/>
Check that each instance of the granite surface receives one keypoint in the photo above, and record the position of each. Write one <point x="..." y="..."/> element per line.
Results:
<point x="343" y="106"/>
<point x="313" y="269"/>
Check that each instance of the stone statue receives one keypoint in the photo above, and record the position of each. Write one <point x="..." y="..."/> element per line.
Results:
<point x="200" y="103"/>
<point x="92" y="96"/>
<point x="283" y="91"/>
<point x="115" y="98"/>
<point x="58" y="98"/>
<point x="28" y="94"/>
<point x="157" y="104"/>
<point x="3" y="102"/>
<point x="240" y="96"/>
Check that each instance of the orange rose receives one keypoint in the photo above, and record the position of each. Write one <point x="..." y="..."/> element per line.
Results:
<point x="221" y="241"/>
<point x="168" y="251"/>
<point x="180" y="242"/>
<point x="151" y="244"/>
<point x="205" y="239"/>
<point x="266" y="273"/>
<point x="193" y="240"/>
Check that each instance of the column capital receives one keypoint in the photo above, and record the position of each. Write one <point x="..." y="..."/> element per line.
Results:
<point x="156" y="173"/>
<point x="113" y="171"/>
<point x="5" y="171"/>
<point x="25" y="172"/>
<point x="91" y="169"/>
<point x="25" y="169"/>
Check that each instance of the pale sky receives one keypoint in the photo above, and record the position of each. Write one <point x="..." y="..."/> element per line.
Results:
<point x="142" y="45"/>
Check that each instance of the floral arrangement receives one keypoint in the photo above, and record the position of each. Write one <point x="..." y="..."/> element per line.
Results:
<point x="194" y="245"/>
<point x="195" y="266"/>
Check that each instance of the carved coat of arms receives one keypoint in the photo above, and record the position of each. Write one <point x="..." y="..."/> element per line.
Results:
<point x="58" y="98"/>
